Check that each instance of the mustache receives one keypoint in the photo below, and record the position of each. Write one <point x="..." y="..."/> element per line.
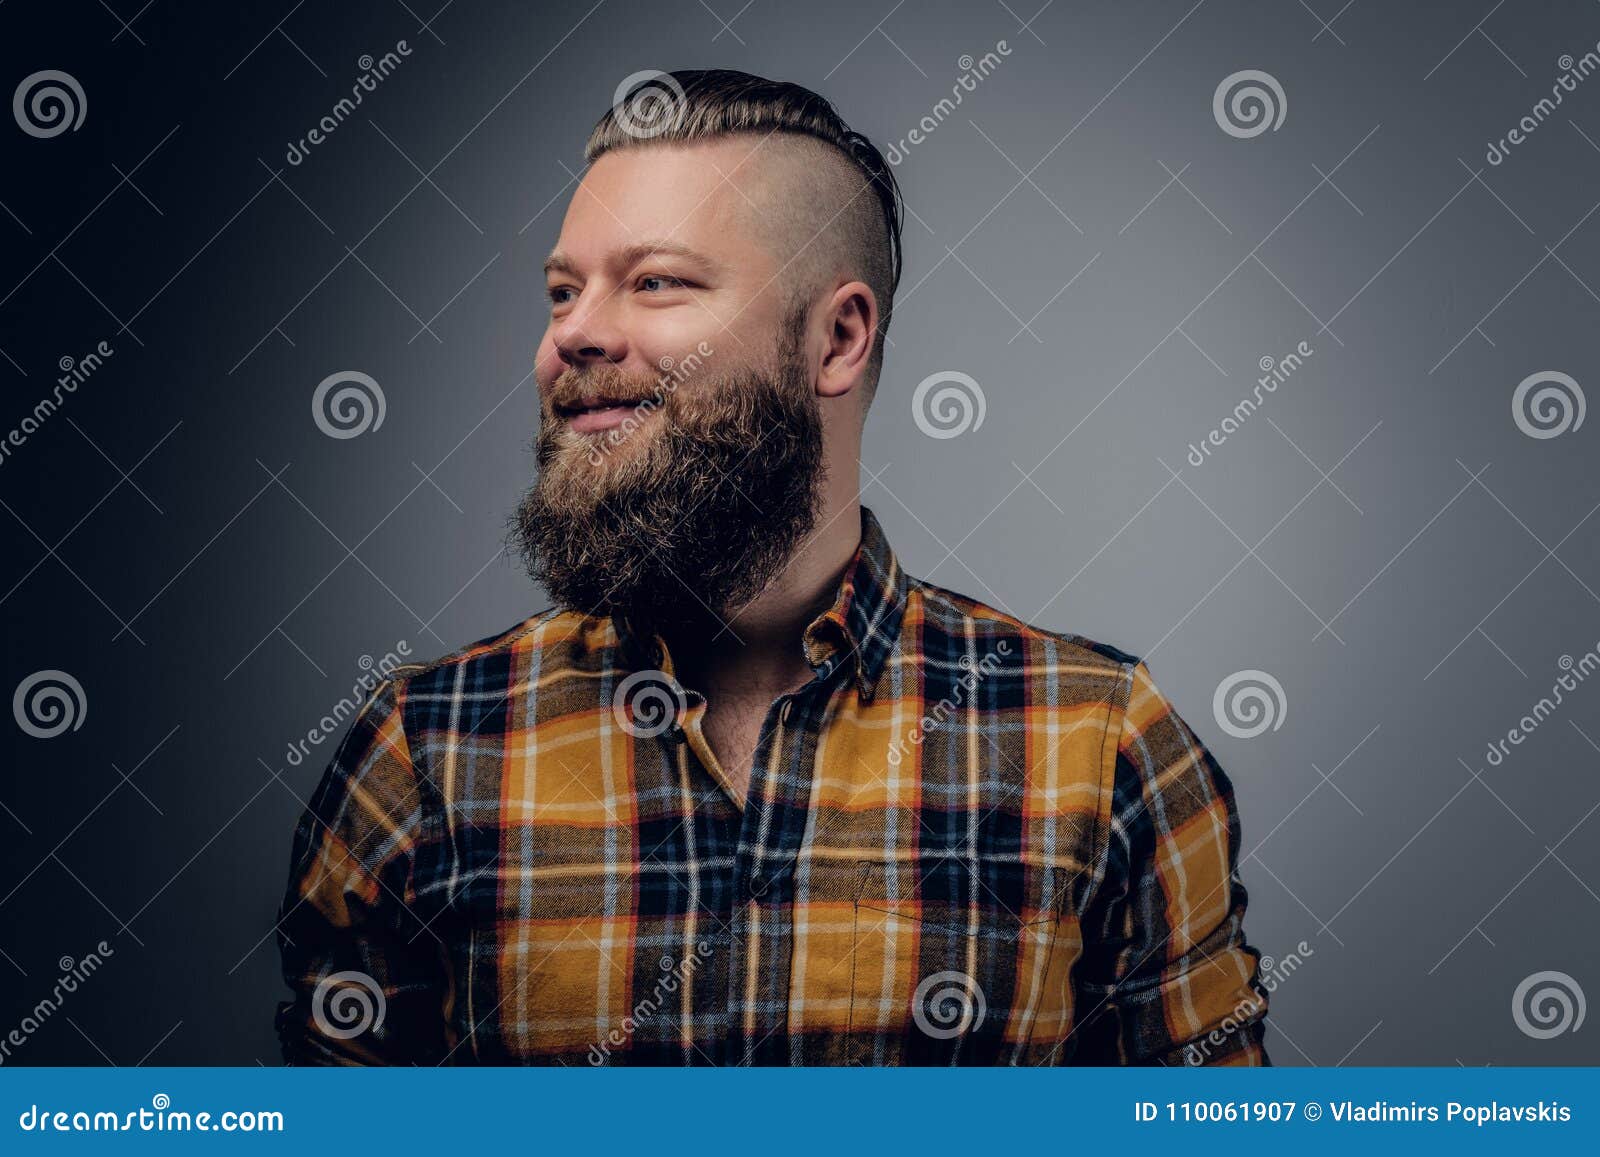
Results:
<point x="576" y="389"/>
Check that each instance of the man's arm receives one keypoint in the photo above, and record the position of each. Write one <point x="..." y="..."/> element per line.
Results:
<point x="369" y="979"/>
<point x="1166" y="976"/>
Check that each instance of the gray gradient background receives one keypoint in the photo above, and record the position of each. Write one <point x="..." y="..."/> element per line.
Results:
<point x="1413" y="600"/>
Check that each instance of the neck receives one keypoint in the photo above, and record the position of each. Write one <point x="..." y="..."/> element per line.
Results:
<point x="757" y="653"/>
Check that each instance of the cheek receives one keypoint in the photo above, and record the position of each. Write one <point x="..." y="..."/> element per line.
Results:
<point x="547" y="364"/>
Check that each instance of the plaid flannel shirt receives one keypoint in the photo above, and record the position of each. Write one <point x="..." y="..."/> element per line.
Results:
<point x="966" y="841"/>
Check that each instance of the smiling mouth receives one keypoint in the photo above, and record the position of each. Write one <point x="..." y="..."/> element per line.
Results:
<point x="595" y="414"/>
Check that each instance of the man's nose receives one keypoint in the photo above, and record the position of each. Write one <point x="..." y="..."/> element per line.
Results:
<point x="591" y="332"/>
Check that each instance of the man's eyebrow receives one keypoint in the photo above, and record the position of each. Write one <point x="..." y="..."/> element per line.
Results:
<point x="559" y="262"/>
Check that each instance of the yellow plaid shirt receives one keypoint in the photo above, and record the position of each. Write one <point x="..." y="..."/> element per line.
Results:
<point x="967" y="841"/>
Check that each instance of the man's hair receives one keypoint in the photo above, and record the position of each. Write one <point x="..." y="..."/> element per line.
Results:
<point x="863" y="231"/>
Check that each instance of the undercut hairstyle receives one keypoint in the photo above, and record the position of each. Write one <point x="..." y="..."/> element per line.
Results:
<point x="839" y="210"/>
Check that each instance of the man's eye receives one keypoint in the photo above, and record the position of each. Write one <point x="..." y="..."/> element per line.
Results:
<point x="559" y="295"/>
<point x="656" y="283"/>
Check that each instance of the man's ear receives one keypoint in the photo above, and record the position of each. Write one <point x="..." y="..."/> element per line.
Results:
<point x="851" y="315"/>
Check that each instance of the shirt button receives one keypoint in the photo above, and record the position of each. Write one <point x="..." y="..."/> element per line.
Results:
<point x="758" y="885"/>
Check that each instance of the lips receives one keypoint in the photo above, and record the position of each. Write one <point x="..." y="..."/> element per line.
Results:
<point x="596" y="413"/>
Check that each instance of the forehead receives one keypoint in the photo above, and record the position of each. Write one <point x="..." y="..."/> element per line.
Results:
<point x="708" y="195"/>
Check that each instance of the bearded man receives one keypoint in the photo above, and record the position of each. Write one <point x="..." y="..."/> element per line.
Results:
<point x="749" y="793"/>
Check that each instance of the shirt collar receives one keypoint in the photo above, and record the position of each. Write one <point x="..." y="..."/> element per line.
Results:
<point x="861" y="626"/>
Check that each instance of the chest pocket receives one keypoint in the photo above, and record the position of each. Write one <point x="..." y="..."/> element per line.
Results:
<point x="944" y="961"/>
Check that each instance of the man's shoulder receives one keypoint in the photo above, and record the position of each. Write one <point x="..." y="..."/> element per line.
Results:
<point x="949" y="613"/>
<point x="491" y="663"/>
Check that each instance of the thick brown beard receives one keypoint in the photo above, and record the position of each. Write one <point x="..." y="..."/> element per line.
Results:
<point x="690" y="516"/>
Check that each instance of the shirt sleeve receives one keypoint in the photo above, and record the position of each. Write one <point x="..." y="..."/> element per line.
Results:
<point x="1166" y="976"/>
<point x="369" y="981"/>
